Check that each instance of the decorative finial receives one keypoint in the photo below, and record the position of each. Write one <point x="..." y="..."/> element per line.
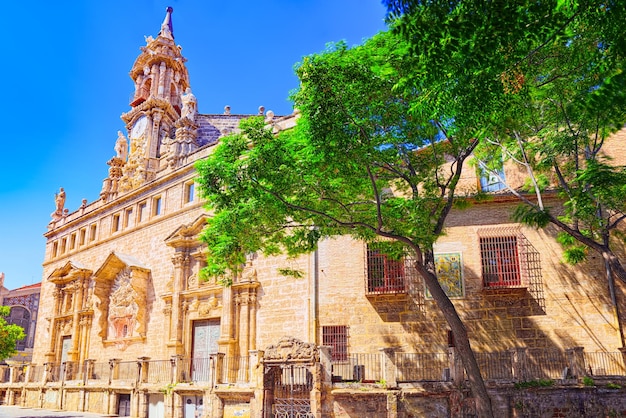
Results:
<point x="167" y="29"/>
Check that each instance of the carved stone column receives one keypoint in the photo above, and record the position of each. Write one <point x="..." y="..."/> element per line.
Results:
<point x="241" y="321"/>
<point x="252" y="309"/>
<point x="181" y="262"/>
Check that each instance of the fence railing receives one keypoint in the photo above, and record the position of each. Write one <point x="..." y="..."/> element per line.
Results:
<point x="412" y="367"/>
<point x="604" y="364"/>
<point x="513" y="365"/>
<point x="518" y="365"/>
<point x="159" y="371"/>
<point x="359" y="368"/>
<point x="496" y="365"/>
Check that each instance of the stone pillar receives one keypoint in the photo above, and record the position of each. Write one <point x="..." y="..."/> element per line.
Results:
<point x="456" y="366"/>
<point x="327" y="365"/>
<point x="576" y="361"/>
<point x="219" y="367"/>
<point x="389" y="368"/>
<point x="392" y="404"/>
<point x="518" y="363"/>
<point x="143" y="363"/>
<point x="76" y="329"/>
<point x="243" y="301"/>
<point x="252" y="309"/>
<point x="88" y="370"/>
<point x="139" y="408"/>
<point x="180" y="260"/>
<point x="114" y="368"/>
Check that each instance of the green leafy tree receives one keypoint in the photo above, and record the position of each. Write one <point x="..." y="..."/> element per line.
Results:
<point x="10" y="334"/>
<point x="571" y="97"/>
<point x="554" y="89"/>
<point x="367" y="159"/>
<point x="549" y="79"/>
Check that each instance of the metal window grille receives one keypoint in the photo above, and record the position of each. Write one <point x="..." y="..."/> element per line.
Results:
<point x="500" y="261"/>
<point x="384" y="275"/>
<point x="336" y="337"/>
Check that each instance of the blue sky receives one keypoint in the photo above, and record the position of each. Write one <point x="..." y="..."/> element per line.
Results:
<point x="65" y="70"/>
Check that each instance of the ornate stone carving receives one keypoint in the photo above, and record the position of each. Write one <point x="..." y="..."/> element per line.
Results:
<point x="121" y="146"/>
<point x="290" y="348"/>
<point x="59" y="202"/>
<point x="190" y="105"/>
<point x="192" y="281"/>
<point x="123" y="307"/>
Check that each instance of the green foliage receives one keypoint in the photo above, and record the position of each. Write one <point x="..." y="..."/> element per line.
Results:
<point x="612" y="385"/>
<point x="550" y="79"/>
<point x="10" y="334"/>
<point x="588" y="381"/>
<point x="534" y="383"/>
<point x="364" y="159"/>
<point x="532" y="216"/>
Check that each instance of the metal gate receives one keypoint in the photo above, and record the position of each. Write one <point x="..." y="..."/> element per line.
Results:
<point x="288" y="391"/>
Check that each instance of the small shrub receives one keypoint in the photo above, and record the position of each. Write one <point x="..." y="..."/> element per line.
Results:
<point x="534" y="383"/>
<point x="587" y="381"/>
<point x="612" y="385"/>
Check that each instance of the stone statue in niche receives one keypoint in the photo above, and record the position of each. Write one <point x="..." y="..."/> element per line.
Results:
<point x="123" y="308"/>
<point x="190" y="103"/>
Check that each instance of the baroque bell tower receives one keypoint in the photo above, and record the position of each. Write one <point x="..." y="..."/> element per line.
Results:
<point x="162" y="96"/>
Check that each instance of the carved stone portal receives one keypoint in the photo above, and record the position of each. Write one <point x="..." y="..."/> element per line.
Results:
<point x="123" y="307"/>
<point x="121" y="289"/>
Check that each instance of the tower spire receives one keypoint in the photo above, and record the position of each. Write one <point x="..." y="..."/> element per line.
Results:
<point x="167" y="29"/>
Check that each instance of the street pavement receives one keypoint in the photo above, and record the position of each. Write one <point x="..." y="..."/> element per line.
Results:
<point x="19" y="412"/>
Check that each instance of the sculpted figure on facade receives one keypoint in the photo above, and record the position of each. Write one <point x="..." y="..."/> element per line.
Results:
<point x="59" y="202"/>
<point x="121" y="146"/>
<point x="190" y="105"/>
<point x="123" y="308"/>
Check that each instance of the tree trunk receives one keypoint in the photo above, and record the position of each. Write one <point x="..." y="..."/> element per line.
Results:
<point x="476" y="383"/>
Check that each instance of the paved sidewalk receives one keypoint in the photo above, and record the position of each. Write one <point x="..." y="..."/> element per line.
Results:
<point x="19" y="412"/>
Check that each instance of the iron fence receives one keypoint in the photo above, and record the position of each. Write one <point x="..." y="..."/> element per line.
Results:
<point x="235" y="369"/>
<point x="545" y="364"/>
<point x="495" y="365"/>
<point x="604" y="364"/>
<point x="99" y="371"/>
<point x="159" y="371"/>
<point x="359" y="368"/>
<point x="126" y="370"/>
<point x="36" y="373"/>
<point x="417" y="367"/>
<point x="5" y="376"/>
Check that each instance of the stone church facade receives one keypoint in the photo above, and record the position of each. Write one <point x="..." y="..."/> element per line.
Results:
<point x="126" y="325"/>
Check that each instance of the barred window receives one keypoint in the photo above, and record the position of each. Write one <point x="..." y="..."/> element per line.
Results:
<point x="336" y="337"/>
<point x="384" y="274"/>
<point x="500" y="261"/>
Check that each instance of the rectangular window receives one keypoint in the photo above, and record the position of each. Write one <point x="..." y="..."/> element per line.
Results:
<point x="156" y="206"/>
<point x="489" y="181"/>
<point x="189" y="192"/>
<point x="128" y="218"/>
<point x="500" y="261"/>
<point x="384" y="274"/>
<point x="142" y="211"/>
<point x="115" y="226"/>
<point x="336" y="337"/>
<point x="73" y="241"/>
<point x="82" y="236"/>
<point x="55" y="249"/>
<point x="63" y="244"/>
<point x="92" y="232"/>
